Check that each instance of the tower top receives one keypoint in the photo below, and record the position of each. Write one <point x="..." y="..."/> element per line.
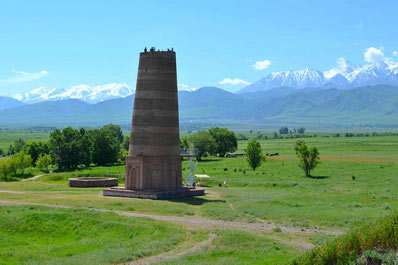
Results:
<point x="153" y="49"/>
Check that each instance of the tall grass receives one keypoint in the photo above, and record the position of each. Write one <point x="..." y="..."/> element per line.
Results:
<point x="380" y="236"/>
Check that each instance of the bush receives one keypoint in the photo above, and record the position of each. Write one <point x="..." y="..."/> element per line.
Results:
<point x="22" y="161"/>
<point x="43" y="162"/>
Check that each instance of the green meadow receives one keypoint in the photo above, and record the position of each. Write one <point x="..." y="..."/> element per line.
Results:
<point x="355" y="183"/>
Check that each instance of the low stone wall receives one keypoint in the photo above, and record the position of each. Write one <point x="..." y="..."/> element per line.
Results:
<point x="93" y="182"/>
<point x="154" y="194"/>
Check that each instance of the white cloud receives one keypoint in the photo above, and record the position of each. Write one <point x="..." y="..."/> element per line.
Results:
<point x="183" y="87"/>
<point x="22" y="77"/>
<point x="395" y="53"/>
<point x="235" y="81"/>
<point x="374" y="55"/>
<point x="262" y="65"/>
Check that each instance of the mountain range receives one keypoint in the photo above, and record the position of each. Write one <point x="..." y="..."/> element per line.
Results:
<point x="344" y="76"/>
<point x="83" y="92"/>
<point x="374" y="106"/>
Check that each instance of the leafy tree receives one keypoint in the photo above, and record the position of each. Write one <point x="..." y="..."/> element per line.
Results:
<point x="1" y="152"/>
<point x="204" y="142"/>
<point x="126" y="143"/>
<point x="308" y="157"/>
<point x="254" y="154"/>
<point x="16" y="147"/>
<point x="43" y="162"/>
<point x="5" y="168"/>
<point x="35" y="149"/>
<point x="123" y="155"/>
<point x="225" y="139"/>
<point x="184" y="142"/>
<point x="70" y="148"/>
<point x="85" y="147"/>
<point x="275" y="135"/>
<point x="106" y="146"/>
<point x="13" y="165"/>
<point x="22" y="161"/>
<point x="117" y="130"/>
<point x="301" y="130"/>
<point x="283" y="130"/>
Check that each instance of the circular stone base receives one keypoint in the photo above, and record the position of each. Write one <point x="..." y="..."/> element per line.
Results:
<point x="93" y="182"/>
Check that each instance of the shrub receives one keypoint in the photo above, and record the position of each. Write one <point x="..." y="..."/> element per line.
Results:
<point x="43" y="162"/>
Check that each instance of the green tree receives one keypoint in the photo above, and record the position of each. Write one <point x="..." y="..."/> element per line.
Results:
<point x="126" y="143"/>
<point x="308" y="157"/>
<point x="106" y="146"/>
<point x="1" y="152"/>
<point x="5" y="168"/>
<point x="22" y="161"/>
<point x="117" y="130"/>
<point x="204" y="142"/>
<point x="16" y="147"/>
<point x="254" y="154"/>
<point x="284" y="130"/>
<point x="301" y="130"/>
<point x="70" y="148"/>
<point x="225" y="139"/>
<point x="35" y="149"/>
<point x="85" y="147"/>
<point x="43" y="162"/>
<point x="184" y="142"/>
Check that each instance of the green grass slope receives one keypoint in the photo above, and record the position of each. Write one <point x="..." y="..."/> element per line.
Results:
<point x="374" y="243"/>
<point x="41" y="235"/>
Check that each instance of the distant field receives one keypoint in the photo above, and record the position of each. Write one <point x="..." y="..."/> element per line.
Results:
<point x="276" y="193"/>
<point x="9" y="135"/>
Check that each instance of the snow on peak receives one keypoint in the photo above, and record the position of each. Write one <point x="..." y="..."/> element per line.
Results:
<point x="344" y="75"/>
<point x="83" y="92"/>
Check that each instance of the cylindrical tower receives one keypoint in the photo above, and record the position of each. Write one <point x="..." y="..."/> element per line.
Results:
<point x="154" y="161"/>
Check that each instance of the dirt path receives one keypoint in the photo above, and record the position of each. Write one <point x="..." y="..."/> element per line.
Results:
<point x="174" y="254"/>
<point x="33" y="178"/>
<point x="198" y="221"/>
<point x="12" y="192"/>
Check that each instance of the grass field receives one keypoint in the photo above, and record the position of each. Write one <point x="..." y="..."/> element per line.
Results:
<point x="276" y="193"/>
<point x="9" y="135"/>
<point x="69" y="236"/>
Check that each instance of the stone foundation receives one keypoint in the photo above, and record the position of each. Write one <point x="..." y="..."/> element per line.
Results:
<point x="154" y="194"/>
<point x="92" y="182"/>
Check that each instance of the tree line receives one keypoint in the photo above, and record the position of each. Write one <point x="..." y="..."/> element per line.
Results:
<point x="66" y="149"/>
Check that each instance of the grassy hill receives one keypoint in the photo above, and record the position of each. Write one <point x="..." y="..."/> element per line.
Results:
<point x="374" y="243"/>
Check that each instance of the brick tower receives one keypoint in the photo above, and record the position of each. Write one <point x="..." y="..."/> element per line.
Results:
<point x="154" y="160"/>
<point x="153" y="164"/>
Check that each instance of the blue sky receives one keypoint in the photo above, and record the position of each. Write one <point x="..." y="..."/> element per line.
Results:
<point x="66" y="43"/>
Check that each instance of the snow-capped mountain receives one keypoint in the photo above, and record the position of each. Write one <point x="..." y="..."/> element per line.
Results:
<point x="83" y="92"/>
<point x="344" y="76"/>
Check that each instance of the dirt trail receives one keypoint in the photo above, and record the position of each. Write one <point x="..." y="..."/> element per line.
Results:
<point x="174" y="254"/>
<point x="198" y="221"/>
<point x="33" y="178"/>
<point x="12" y="192"/>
